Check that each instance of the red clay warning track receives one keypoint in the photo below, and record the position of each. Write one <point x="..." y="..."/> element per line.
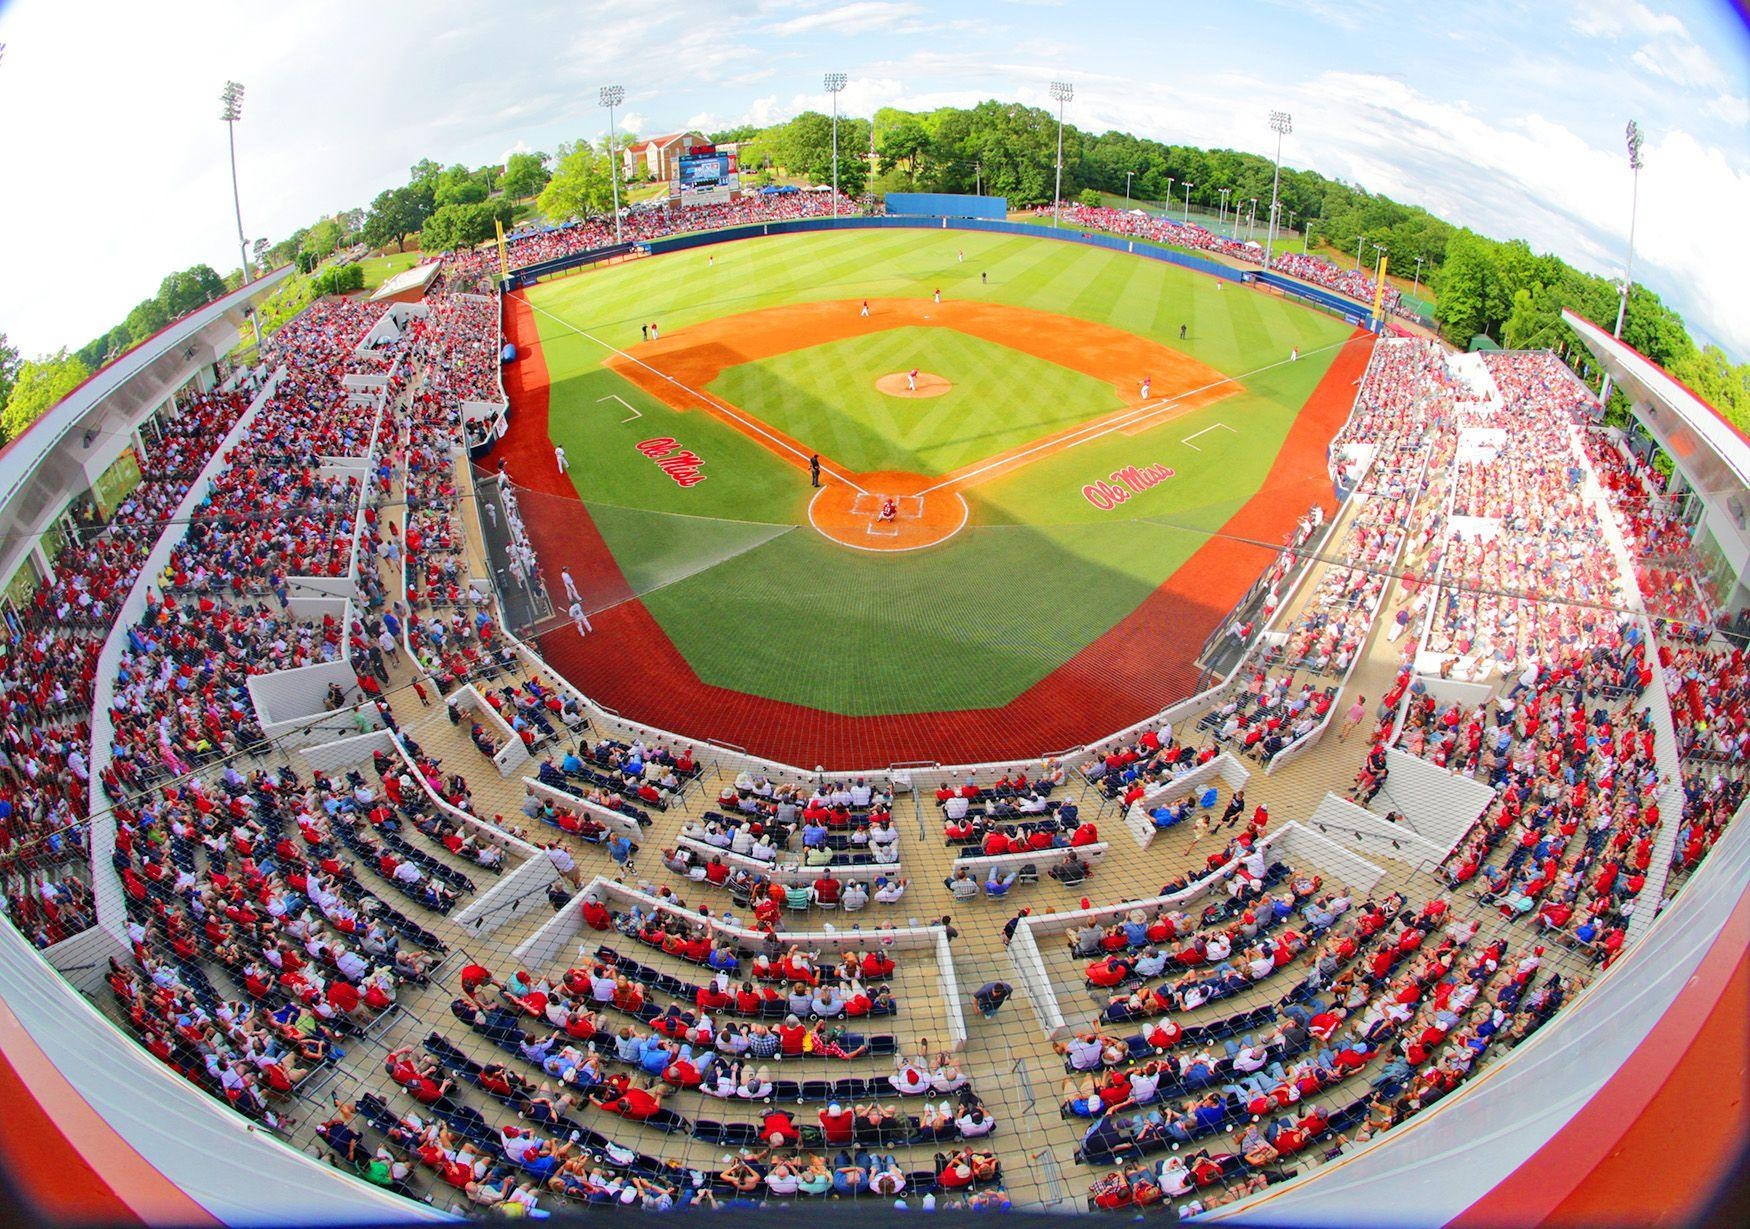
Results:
<point x="630" y="665"/>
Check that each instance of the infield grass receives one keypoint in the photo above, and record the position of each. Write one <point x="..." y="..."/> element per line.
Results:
<point x="1000" y="399"/>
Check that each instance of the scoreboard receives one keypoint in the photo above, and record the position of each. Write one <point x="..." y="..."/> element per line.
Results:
<point x="703" y="176"/>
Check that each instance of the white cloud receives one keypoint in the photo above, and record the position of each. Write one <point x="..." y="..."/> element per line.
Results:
<point x="853" y="18"/>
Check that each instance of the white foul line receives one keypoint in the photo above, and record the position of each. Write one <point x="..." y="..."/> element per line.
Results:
<point x="1096" y="430"/>
<point x="636" y="413"/>
<point x="1193" y="447"/>
<point x="751" y="424"/>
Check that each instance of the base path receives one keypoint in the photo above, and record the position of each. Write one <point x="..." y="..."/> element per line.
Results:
<point x="630" y="665"/>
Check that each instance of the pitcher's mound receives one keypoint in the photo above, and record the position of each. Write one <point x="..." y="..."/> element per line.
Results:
<point x="929" y="385"/>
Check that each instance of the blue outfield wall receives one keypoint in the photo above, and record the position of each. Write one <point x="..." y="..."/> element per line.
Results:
<point x="1353" y="311"/>
<point x="528" y="275"/>
<point x="947" y="205"/>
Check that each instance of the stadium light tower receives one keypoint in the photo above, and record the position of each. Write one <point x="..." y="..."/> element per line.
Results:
<point x="1417" y="283"/>
<point x="1281" y="123"/>
<point x="1633" y="137"/>
<point x="1379" y="259"/>
<point x="231" y="98"/>
<point x="1128" y="176"/>
<point x="1062" y="92"/>
<point x="1188" y="186"/>
<point x="1251" y="217"/>
<point x="1221" y="215"/>
<point x="1168" y="215"/>
<point x="835" y="85"/>
<point x="1359" y="241"/>
<point x="611" y="97"/>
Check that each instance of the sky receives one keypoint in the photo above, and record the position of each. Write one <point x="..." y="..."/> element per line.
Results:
<point x="1500" y="115"/>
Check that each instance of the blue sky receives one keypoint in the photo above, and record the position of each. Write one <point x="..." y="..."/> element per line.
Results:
<point x="1501" y="115"/>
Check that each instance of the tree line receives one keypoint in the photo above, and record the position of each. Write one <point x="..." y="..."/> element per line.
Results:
<point x="1482" y="287"/>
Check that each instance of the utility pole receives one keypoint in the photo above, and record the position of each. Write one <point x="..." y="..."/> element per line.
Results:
<point x="612" y="96"/>
<point x="835" y="84"/>
<point x="1633" y="136"/>
<point x="1281" y="123"/>
<point x="231" y="98"/>
<point x="1062" y="91"/>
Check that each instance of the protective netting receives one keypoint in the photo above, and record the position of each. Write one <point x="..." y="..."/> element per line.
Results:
<point x="1082" y="628"/>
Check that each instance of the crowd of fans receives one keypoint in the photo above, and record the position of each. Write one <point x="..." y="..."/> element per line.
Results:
<point x="46" y="685"/>
<point x="1162" y="229"/>
<point x="642" y="225"/>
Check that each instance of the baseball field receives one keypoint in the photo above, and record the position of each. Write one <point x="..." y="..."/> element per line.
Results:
<point x="1036" y="498"/>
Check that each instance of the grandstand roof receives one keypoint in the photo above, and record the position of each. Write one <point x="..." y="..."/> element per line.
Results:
<point x="1629" y="367"/>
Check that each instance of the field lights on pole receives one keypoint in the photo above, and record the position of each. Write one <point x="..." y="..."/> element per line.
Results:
<point x="1251" y="216"/>
<point x="1062" y="92"/>
<point x="835" y="84"/>
<point x="1281" y="123"/>
<point x="1221" y="215"/>
<point x="1379" y="260"/>
<point x="231" y="99"/>
<point x="1128" y="176"/>
<point x="1632" y="136"/>
<point x="1360" y="240"/>
<point x="1417" y="284"/>
<point x="1188" y="186"/>
<point x="612" y="96"/>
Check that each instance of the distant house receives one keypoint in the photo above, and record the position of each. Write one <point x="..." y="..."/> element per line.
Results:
<point x="656" y="156"/>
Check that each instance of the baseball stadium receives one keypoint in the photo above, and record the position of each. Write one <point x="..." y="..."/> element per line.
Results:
<point x="736" y="680"/>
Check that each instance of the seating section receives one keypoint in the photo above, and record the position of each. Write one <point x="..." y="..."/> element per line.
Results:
<point x="284" y="915"/>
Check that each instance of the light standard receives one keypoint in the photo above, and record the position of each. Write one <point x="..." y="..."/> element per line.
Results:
<point x="1128" y="176"/>
<point x="1062" y="92"/>
<point x="1633" y="136"/>
<point x="612" y="96"/>
<point x="1305" y="236"/>
<point x="1221" y="216"/>
<point x="231" y="98"/>
<point x="1188" y="186"/>
<point x="835" y="82"/>
<point x="1168" y="215"/>
<point x="1281" y="123"/>
<point x="1417" y="283"/>
<point x="1251" y="217"/>
<point x="1358" y="242"/>
<point x="977" y="177"/>
<point x="1379" y="260"/>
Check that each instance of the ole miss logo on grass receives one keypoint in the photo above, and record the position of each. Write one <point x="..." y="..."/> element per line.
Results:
<point x="678" y="463"/>
<point x="1121" y="484"/>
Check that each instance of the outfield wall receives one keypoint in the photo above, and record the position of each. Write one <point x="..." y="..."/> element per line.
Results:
<point x="528" y="275"/>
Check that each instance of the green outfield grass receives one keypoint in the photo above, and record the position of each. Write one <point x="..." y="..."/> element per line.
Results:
<point x="757" y="601"/>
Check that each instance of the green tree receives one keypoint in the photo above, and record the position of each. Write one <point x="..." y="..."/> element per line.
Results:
<point x="466" y="190"/>
<point x="147" y="318"/>
<point x="457" y="227"/>
<point x="580" y="186"/>
<point x="195" y="286"/>
<point x="905" y="144"/>
<point x="425" y="171"/>
<point x="39" y="384"/>
<point x="525" y="175"/>
<point x="396" y="214"/>
<point x="322" y="238"/>
<point x="8" y="368"/>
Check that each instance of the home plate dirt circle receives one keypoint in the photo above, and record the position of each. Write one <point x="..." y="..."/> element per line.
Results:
<point x="887" y="511"/>
<point x="929" y="385"/>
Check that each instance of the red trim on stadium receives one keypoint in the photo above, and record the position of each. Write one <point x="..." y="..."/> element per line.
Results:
<point x="64" y="1158"/>
<point x="1115" y="682"/>
<point x="1654" y="1143"/>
